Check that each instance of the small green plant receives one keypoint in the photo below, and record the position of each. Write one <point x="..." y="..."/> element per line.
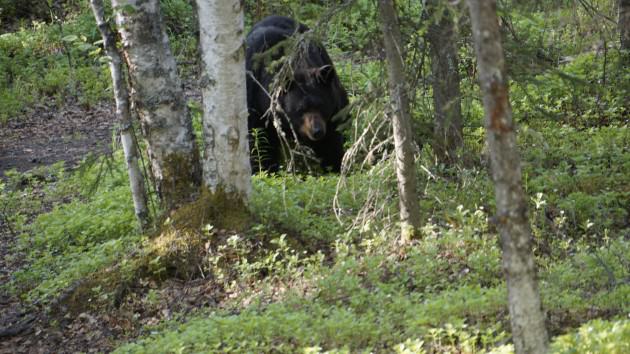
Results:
<point x="258" y="152"/>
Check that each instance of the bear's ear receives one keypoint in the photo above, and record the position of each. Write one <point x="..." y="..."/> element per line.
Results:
<point x="323" y="74"/>
<point x="319" y="75"/>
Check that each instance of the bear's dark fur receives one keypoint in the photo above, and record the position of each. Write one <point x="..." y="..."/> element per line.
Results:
<point x="310" y="96"/>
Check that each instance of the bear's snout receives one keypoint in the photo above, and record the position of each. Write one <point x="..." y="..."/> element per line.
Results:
<point x="313" y="126"/>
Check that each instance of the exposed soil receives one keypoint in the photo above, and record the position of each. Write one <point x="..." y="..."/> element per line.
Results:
<point x="48" y="135"/>
<point x="34" y="331"/>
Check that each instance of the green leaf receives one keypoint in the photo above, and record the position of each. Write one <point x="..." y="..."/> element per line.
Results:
<point x="104" y="60"/>
<point x="70" y="38"/>
<point x="84" y="47"/>
<point x="95" y="52"/>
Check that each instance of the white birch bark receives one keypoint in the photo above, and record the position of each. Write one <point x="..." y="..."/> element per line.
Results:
<point x="159" y="99"/>
<point x="225" y="163"/>
<point x="526" y="316"/>
<point x="401" y="121"/>
<point x="121" y="96"/>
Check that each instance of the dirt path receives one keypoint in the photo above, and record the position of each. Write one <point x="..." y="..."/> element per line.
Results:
<point x="48" y="135"/>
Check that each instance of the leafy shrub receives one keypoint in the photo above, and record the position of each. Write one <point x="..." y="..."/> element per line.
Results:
<point x="78" y="238"/>
<point x="574" y="94"/>
<point x="95" y="84"/>
<point x="590" y="279"/>
<point x="178" y="16"/>
<point x="610" y="337"/>
<point x="582" y="178"/>
<point x="51" y="61"/>
<point x="301" y="205"/>
<point x="11" y="11"/>
<point x="595" y="337"/>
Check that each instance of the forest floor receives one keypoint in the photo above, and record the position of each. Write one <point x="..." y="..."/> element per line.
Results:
<point x="42" y="137"/>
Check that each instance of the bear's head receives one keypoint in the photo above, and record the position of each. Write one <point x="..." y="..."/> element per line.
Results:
<point x="309" y="101"/>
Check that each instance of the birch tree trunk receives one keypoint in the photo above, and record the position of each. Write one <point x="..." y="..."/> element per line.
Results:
<point x="226" y="165"/>
<point x="121" y="96"/>
<point x="401" y="121"/>
<point x="159" y="99"/>
<point x="527" y="318"/>
<point x="447" y="132"/>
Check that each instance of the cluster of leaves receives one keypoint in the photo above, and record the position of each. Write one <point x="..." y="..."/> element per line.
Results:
<point x="303" y="10"/>
<point x="13" y="11"/>
<point x="77" y="238"/>
<point x="60" y="60"/>
<point x="589" y="91"/>
<point x="578" y="180"/>
<point x="50" y="62"/>
<point x="596" y="337"/>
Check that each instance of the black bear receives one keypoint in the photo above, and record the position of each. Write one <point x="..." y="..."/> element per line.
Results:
<point x="309" y="99"/>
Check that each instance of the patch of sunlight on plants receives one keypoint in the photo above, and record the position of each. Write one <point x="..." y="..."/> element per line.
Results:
<point x="610" y="337"/>
<point x="597" y="336"/>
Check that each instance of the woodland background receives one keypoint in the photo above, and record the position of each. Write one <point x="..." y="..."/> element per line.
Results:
<point x="320" y="269"/>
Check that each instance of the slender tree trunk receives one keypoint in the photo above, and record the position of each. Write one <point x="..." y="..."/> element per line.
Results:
<point x="226" y="154"/>
<point x="447" y="132"/>
<point x="401" y="119"/>
<point x="527" y="318"/>
<point x="121" y="96"/>
<point x="624" y="24"/>
<point x="159" y="99"/>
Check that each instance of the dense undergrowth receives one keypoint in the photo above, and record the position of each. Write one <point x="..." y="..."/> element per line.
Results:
<point x="330" y="276"/>
<point x="361" y="292"/>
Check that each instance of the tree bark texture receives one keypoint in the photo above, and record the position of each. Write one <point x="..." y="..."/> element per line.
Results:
<point x="159" y="99"/>
<point x="226" y="153"/>
<point x="401" y="121"/>
<point x="527" y="318"/>
<point x="123" y="114"/>
<point x="624" y="24"/>
<point x="447" y="132"/>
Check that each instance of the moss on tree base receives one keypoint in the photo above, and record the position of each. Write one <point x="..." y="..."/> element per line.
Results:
<point x="219" y="209"/>
<point x="177" y="250"/>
